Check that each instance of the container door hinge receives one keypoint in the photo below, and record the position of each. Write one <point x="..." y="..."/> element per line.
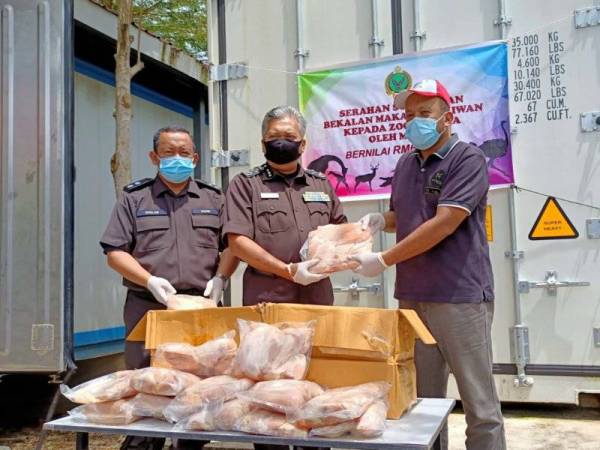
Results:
<point x="514" y="255"/>
<point x="229" y="158"/>
<point x="587" y="17"/>
<point x="590" y="121"/>
<point x="225" y="72"/>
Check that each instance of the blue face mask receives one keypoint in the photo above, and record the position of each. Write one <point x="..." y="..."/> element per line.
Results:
<point x="422" y="132"/>
<point x="176" y="169"/>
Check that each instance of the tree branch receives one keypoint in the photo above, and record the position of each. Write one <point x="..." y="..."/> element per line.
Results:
<point x="135" y="69"/>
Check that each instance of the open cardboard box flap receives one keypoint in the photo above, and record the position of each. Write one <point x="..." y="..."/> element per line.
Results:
<point x="337" y="328"/>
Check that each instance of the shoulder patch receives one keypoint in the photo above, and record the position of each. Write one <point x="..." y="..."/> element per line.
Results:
<point x="138" y="184"/>
<point x="316" y="174"/>
<point x="255" y="171"/>
<point x="206" y="184"/>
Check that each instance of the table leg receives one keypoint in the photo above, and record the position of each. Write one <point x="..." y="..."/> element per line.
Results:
<point x="82" y="441"/>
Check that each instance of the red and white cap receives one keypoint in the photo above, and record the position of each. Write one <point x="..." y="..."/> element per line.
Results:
<point x="427" y="88"/>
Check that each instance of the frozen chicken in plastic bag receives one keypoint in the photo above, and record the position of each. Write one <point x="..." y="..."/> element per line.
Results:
<point x="183" y="301"/>
<point x="282" y="396"/>
<point x="334" y="431"/>
<point x="340" y="405"/>
<point x="113" y="386"/>
<point x="334" y="245"/>
<point x="231" y="412"/>
<point x="208" y="391"/>
<point x="273" y="352"/>
<point x="269" y="424"/>
<point x="372" y="422"/>
<point x="148" y="405"/>
<point x="202" y="420"/>
<point x="118" y="412"/>
<point x="161" y="381"/>
<point x="214" y="357"/>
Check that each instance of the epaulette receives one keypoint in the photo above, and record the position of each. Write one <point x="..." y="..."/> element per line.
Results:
<point x="203" y="183"/>
<point x="138" y="184"/>
<point x="316" y="174"/>
<point x="255" y="170"/>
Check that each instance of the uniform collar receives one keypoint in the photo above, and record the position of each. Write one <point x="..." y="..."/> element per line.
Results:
<point x="269" y="174"/>
<point x="442" y="152"/>
<point x="159" y="188"/>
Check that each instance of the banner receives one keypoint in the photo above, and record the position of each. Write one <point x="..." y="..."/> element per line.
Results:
<point x="356" y="136"/>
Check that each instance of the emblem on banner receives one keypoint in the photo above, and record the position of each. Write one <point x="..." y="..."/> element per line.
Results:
<point x="397" y="81"/>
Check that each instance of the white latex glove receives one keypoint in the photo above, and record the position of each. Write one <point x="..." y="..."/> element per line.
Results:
<point x="370" y="264"/>
<point x="374" y="222"/>
<point x="214" y="289"/>
<point x="160" y="288"/>
<point x="304" y="276"/>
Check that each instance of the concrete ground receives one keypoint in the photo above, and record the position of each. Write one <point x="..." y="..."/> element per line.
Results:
<point x="528" y="427"/>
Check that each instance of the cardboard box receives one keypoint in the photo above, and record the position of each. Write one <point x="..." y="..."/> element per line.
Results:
<point x="351" y="345"/>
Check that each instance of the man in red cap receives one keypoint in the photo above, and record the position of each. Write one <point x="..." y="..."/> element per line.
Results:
<point x="443" y="269"/>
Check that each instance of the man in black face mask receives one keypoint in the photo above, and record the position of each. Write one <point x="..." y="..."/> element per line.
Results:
<point x="269" y="212"/>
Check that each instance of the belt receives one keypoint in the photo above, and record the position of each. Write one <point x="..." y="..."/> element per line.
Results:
<point x="147" y="295"/>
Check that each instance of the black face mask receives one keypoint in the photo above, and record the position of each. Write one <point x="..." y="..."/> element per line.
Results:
<point x="282" y="151"/>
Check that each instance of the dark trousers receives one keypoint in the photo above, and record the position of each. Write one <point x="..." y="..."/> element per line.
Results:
<point x="137" y="357"/>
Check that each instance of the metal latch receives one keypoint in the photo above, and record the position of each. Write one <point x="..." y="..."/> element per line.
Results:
<point x="587" y="17"/>
<point x="551" y="284"/>
<point x="229" y="158"/>
<point x="590" y="121"/>
<point x="354" y="288"/>
<point x="224" y="72"/>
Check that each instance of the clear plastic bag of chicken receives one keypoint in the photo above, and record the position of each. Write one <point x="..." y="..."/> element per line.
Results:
<point x="217" y="416"/>
<point x="268" y="423"/>
<point x="334" y="246"/>
<point x="214" y="357"/>
<point x="205" y="392"/>
<point x="113" y="386"/>
<point x="281" y="396"/>
<point x="119" y="412"/>
<point x="148" y="405"/>
<point x="340" y="405"/>
<point x="273" y="352"/>
<point x="178" y="302"/>
<point x="161" y="381"/>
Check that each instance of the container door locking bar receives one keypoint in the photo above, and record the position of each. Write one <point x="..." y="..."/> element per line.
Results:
<point x="354" y="288"/>
<point x="551" y="284"/>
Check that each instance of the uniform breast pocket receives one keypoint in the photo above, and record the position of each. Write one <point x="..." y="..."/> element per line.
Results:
<point x="319" y="213"/>
<point x="152" y="233"/>
<point x="273" y="216"/>
<point x="206" y="230"/>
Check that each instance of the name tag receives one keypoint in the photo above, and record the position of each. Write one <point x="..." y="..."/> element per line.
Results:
<point x="204" y="211"/>
<point x="150" y="212"/>
<point x="269" y="195"/>
<point x="315" y="197"/>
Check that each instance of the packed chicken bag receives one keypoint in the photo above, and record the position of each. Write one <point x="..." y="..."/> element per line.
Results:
<point x="114" y="386"/>
<point x="212" y="390"/>
<point x="218" y="416"/>
<point x="183" y="302"/>
<point x="273" y="352"/>
<point x="370" y="425"/>
<point x="148" y="405"/>
<point x="334" y="245"/>
<point x="340" y="405"/>
<point x="161" y="381"/>
<point x="281" y="396"/>
<point x="118" y="412"/>
<point x="268" y="423"/>
<point x="214" y="357"/>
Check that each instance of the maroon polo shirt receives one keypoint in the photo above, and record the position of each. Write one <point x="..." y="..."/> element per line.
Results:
<point x="458" y="269"/>
<point x="277" y="212"/>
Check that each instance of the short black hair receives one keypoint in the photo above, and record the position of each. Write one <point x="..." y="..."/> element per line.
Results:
<point x="170" y="129"/>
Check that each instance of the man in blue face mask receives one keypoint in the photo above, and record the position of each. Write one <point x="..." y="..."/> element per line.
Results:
<point x="443" y="269"/>
<point x="164" y="238"/>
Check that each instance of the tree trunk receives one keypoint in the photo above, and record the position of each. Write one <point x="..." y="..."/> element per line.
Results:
<point x="120" y="163"/>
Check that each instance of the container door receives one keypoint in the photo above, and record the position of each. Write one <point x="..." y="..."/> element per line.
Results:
<point x="555" y="81"/>
<point x="34" y="111"/>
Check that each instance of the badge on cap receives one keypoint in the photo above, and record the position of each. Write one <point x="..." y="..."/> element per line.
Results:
<point x="315" y="197"/>
<point x="269" y="195"/>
